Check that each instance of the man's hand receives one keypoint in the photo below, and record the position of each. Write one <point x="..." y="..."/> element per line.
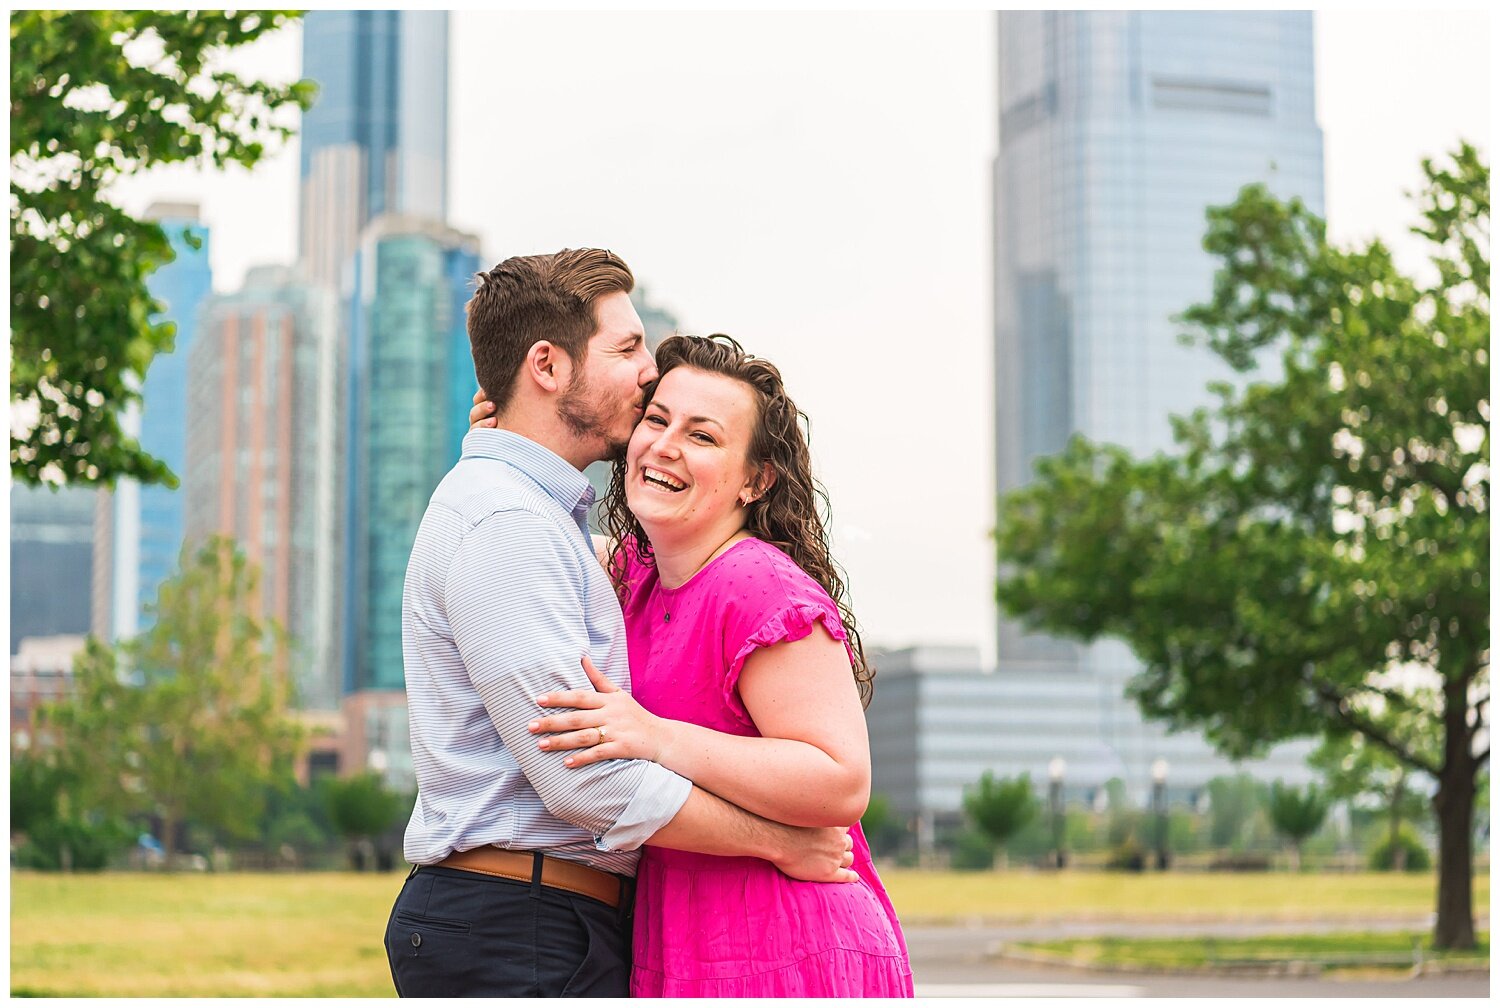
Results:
<point x="817" y="854"/>
<point x="483" y="413"/>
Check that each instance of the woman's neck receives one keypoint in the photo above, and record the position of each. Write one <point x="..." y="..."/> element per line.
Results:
<point x="678" y="559"/>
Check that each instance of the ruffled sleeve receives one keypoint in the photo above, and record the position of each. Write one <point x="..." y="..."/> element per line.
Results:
<point x="792" y="604"/>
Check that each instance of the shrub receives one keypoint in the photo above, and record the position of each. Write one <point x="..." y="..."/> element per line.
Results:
<point x="1417" y="858"/>
<point x="1127" y="856"/>
<point x="973" y="850"/>
<point x="59" y="844"/>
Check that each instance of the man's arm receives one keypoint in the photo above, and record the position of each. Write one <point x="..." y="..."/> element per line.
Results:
<point x="516" y="620"/>
<point x="708" y="824"/>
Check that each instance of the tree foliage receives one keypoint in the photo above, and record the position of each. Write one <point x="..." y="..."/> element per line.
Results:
<point x="1356" y="770"/>
<point x="882" y="828"/>
<point x="999" y="808"/>
<point x="1312" y="560"/>
<point x="360" y="809"/>
<point x="1232" y="806"/>
<point x="362" y="806"/>
<point x="95" y="96"/>
<point x="190" y="720"/>
<point x="1297" y="814"/>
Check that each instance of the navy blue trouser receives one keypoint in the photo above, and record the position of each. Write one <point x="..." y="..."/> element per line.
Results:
<point x="455" y="933"/>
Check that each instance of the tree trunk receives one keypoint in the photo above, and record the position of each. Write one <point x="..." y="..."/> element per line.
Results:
<point x="168" y="834"/>
<point x="1397" y="848"/>
<point x="1454" y="807"/>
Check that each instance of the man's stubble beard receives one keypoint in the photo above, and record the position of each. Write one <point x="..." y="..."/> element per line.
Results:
<point x="582" y="418"/>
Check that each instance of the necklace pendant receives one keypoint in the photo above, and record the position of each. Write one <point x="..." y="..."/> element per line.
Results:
<point x="666" y="617"/>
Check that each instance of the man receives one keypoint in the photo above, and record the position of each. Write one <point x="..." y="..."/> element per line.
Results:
<point x="523" y="866"/>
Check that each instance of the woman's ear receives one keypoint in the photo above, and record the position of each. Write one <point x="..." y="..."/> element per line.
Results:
<point x="760" y="485"/>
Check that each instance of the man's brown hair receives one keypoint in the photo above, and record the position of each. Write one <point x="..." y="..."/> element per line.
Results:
<point x="527" y="299"/>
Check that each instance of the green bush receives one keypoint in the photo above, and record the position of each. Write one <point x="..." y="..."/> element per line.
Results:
<point x="59" y="844"/>
<point x="1128" y="855"/>
<point x="884" y="831"/>
<point x="1033" y="841"/>
<point x="973" y="850"/>
<point x="1417" y="858"/>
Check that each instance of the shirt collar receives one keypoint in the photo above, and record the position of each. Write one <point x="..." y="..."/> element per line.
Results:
<point x="547" y="469"/>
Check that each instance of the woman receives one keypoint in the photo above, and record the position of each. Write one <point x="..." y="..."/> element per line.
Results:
<point x="748" y="675"/>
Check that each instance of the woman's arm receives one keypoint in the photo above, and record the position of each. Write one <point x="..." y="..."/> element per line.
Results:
<point x="810" y="768"/>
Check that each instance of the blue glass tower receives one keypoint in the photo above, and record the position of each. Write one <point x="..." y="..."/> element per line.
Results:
<point x="411" y="386"/>
<point x="376" y="139"/>
<point x="1117" y="130"/>
<point x="146" y="522"/>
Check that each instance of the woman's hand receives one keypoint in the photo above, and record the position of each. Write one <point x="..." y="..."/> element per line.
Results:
<point x="483" y="413"/>
<point x="607" y="724"/>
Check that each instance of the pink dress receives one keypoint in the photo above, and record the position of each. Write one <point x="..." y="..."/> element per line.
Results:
<point x="709" y="926"/>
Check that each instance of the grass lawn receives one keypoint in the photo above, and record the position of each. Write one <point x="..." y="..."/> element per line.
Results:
<point x="195" y="935"/>
<point x="1076" y="895"/>
<point x="1349" y="949"/>
<point x="312" y="935"/>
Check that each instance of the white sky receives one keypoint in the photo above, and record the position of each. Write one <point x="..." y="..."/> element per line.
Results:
<point x="817" y="185"/>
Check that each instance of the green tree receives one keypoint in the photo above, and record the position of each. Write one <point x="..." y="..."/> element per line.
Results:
<point x="883" y="830"/>
<point x="1312" y="561"/>
<point x="37" y="791"/>
<point x="999" y="808"/>
<point x="361" y="808"/>
<point x="96" y="96"/>
<point x="1232" y="805"/>
<point x="1356" y="769"/>
<point x="188" y="721"/>
<point x="56" y="831"/>
<point x="1296" y="814"/>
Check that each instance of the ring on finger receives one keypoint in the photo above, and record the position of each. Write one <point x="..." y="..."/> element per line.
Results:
<point x="603" y="735"/>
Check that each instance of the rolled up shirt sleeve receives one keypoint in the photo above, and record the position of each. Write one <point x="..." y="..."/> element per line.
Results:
<point x="518" y="623"/>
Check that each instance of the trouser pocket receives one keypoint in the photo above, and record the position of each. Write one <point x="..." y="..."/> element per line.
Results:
<point x="437" y="955"/>
<point x="605" y="968"/>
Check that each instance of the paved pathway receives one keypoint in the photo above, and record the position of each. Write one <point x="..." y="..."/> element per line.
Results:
<point x="961" y="962"/>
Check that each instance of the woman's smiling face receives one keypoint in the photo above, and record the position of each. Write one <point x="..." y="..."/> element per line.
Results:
<point x="687" y="466"/>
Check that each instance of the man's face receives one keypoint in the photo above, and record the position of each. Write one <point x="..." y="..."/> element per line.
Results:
<point x="604" y="400"/>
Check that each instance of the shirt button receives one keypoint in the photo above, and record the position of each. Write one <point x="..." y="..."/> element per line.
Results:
<point x="416" y="940"/>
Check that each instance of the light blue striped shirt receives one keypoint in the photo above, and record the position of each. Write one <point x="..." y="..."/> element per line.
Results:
<point x="503" y="596"/>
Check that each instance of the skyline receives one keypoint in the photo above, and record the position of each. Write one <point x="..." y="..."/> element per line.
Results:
<point x="794" y="214"/>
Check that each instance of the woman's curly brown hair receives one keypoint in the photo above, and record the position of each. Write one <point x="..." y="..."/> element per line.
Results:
<point x="792" y="514"/>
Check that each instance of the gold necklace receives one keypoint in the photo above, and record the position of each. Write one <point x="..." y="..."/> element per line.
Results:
<point x="723" y="547"/>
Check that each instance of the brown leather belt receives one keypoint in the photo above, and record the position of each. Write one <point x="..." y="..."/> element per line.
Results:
<point x="557" y="873"/>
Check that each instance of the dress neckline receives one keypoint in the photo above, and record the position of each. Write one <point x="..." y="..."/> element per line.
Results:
<point x="673" y="592"/>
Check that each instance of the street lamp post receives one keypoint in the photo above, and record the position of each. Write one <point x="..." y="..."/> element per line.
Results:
<point x="1159" y="804"/>
<point x="1055" y="770"/>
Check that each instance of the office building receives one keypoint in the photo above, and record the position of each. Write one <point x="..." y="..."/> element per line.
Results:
<point x="139" y="527"/>
<point x="264" y="458"/>
<point x="41" y="672"/>
<point x="938" y="721"/>
<point x="1117" y="130"/>
<point x="410" y="386"/>
<point x="376" y="140"/>
<point x="51" y="560"/>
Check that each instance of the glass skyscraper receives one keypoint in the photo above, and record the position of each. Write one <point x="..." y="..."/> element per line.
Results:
<point x="51" y="560"/>
<point x="1117" y="130"/>
<point x="140" y="532"/>
<point x="376" y="140"/>
<point x="410" y="385"/>
<point x="263" y="458"/>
